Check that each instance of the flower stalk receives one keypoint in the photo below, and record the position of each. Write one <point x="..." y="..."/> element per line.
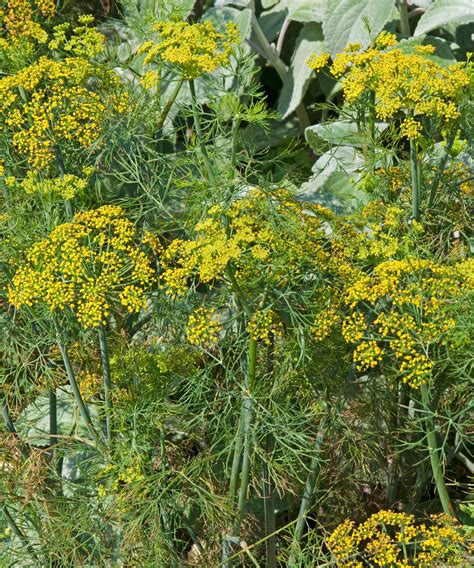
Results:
<point x="199" y="133"/>
<point x="169" y="104"/>
<point x="415" y="181"/>
<point x="247" y="433"/>
<point x="75" y="389"/>
<point x="307" y="494"/>
<point x="104" y="357"/>
<point x="435" y="452"/>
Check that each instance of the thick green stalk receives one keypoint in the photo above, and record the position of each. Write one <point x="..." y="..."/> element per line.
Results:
<point x="247" y="431"/>
<point x="404" y="20"/>
<point x="239" y="443"/>
<point x="199" y="134"/>
<point x="435" y="452"/>
<point x="415" y="181"/>
<point x="278" y="65"/>
<point x="269" y="508"/>
<point x="104" y="357"/>
<point x="267" y="482"/>
<point x="307" y="494"/>
<point x="169" y="103"/>
<point x="8" y="419"/>
<point x="18" y="532"/>
<point x="439" y="171"/>
<point x="53" y="420"/>
<point x="75" y="390"/>
<point x="61" y="172"/>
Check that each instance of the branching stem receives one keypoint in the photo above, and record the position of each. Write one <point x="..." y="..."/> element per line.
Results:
<point x="75" y="389"/>
<point x="169" y="103"/>
<point x="435" y="452"/>
<point x="199" y="134"/>
<point x="415" y="180"/>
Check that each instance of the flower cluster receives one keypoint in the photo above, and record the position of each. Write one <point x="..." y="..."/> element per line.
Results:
<point x="243" y="243"/>
<point x="90" y="384"/>
<point x="195" y="49"/>
<point x="85" y="41"/>
<point x="408" y="302"/>
<point x="399" y="80"/>
<point x="66" y="187"/>
<point x="390" y="538"/>
<point x="50" y="103"/>
<point x="262" y="326"/>
<point x="87" y="266"/>
<point x="203" y="328"/>
<point x="19" y="20"/>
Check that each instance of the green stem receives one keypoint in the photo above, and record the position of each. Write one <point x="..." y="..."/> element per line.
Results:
<point x="267" y="482"/>
<point x="61" y="172"/>
<point x="75" y="389"/>
<point x="8" y="419"/>
<point x="17" y="531"/>
<point x="439" y="172"/>
<point x="199" y="134"/>
<point x="239" y="442"/>
<point x="415" y="180"/>
<point x="104" y="357"/>
<point x="269" y="507"/>
<point x="53" y="420"/>
<point x="235" y="138"/>
<point x="372" y="115"/>
<point x="435" y="452"/>
<point x="247" y="431"/>
<point x="307" y="494"/>
<point x="240" y="295"/>
<point x="278" y="65"/>
<point x="404" y="20"/>
<point x="169" y="103"/>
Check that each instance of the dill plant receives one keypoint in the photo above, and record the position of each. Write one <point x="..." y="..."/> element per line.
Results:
<point x="264" y="378"/>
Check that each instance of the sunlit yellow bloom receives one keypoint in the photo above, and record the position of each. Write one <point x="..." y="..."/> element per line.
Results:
<point x="195" y="49"/>
<point x="86" y="266"/>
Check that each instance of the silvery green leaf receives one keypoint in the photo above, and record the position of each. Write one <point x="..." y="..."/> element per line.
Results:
<point x="310" y="40"/>
<point x="442" y="12"/>
<point x="337" y="132"/>
<point x="33" y="422"/>
<point x="271" y="20"/>
<point x="306" y="10"/>
<point x="354" y="21"/>
<point x="237" y="3"/>
<point x="333" y="183"/>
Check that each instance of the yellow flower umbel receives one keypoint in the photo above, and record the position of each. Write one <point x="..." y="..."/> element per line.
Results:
<point x="84" y="41"/>
<point x="410" y="300"/>
<point x="394" y="539"/>
<point x="262" y="326"/>
<point x="203" y="328"/>
<point x="20" y="20"/>
<point x="399" y="81"/>
<point x="65" y="187"/>
<point x="86" y="266"/>
<point x="51" y="103"/>
<point x="194" y="49"/>
<point x="318" y="62"/>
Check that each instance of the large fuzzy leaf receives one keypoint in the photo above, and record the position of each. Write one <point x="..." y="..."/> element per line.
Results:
<point x="354" y="21"/>
<point x="442" y="12"/>
<point x="306" y="10"/>
<point x="310" y="40"/>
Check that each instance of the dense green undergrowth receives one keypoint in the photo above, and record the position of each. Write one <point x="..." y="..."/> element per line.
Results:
<point x="236" y="283"/>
